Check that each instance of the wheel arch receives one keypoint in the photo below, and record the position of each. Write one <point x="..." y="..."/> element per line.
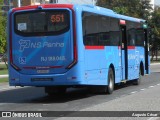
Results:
<point x="142" y="68"/>
<point x="112" y="67"/>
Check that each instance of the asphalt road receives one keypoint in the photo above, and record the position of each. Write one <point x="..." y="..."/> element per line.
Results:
<point x="34" y="99"/>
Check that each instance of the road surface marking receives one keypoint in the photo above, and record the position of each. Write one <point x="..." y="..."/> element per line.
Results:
<point x="142" y="89"/>
<point x="42" y="110"/>
<point x="151" y="86"/>
<point x="134" y="92"/>
<point x="154" y="118"/>
<point x="3" y="104"/>
<point x="46" y="104"/>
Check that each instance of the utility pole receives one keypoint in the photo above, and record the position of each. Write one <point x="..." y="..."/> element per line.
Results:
<point x="19" y="3"/>
<point x="9" y="4"/>
<point x="94" y="2"/>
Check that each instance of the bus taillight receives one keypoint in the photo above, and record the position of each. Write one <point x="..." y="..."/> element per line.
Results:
<point x="74" y="44"/>
<point x="10" y="45"/>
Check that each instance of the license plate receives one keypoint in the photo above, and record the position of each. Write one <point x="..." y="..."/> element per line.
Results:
<point x="42" y="71"/>
<point x="41" y="79"/>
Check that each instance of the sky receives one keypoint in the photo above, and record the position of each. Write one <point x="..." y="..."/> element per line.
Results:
<point x="157" y="2"/>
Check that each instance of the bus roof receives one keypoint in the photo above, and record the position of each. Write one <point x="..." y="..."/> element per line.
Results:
<point x="89" y="8"/>
<point x="109" y="12"/>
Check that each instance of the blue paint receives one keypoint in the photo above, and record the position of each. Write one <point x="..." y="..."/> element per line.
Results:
<point x="92" y="66"/>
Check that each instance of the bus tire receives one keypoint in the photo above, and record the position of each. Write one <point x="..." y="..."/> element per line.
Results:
<point x="110" y="87"/>
<point x="55" y="90"/>
<point x="138" y="80"/>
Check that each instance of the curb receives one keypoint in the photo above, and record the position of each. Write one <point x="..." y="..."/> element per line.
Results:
<point x="4" y="76"/>
<point x="6" y="87"/>
<point x="155" y="64"/>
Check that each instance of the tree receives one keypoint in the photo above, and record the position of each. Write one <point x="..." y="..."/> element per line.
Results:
<point x="134" y="8"/>
<point x="3" y="41"/>
<point x="155" y="33"/>
<point x="145" y="10"/>
<point x="3" y="19"/>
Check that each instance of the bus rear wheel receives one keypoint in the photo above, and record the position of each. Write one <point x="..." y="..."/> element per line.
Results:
<point x="55" y="90"/>
<point x="110" y="87"/>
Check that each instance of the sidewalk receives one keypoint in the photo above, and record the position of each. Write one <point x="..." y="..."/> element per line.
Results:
<point x="3" y="76"/>
<point x="5" y="86"/>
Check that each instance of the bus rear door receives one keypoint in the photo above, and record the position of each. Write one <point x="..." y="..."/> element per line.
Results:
<point x="124" y="51"/>
<point x="146" y="51"/>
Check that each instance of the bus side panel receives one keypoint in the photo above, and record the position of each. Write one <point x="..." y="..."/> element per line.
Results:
<point x="97" y="63"/>
<point x="132" y="59"/>
<point x="135" y="57"/>
<point x="93" y="60"/>
<point x="141" y="57"/>
<point x="149" y="64"/>
<point x="113" y="56"/>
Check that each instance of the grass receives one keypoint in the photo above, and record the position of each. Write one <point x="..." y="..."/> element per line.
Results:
<point x="155" y="61"/>
<point x="3" y="80"/>
<point x="3" y="69"/>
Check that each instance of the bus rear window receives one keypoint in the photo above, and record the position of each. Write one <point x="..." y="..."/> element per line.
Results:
<point x="49" y="22"/>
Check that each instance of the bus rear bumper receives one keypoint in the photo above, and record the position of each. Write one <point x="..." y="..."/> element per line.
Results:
<point x="72" y="77"/>
<point x="45" y="80"/>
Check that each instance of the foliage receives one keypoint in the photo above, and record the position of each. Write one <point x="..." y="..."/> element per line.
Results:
<point x="3" y="20"/>
<point x="145" y="10"/>
<point x="156" y="20"/>
<point x="134" y="8"/>
<point x="155" y="33"/>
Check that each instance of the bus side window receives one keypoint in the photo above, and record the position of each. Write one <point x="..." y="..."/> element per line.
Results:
<point x="104" y="39"/>
<point x="114" y="32"/>
<point x="95" y="29"/>
<point x="91" y="40"/>
<point x="140" y="37"/>
<point x="131" y="38"/>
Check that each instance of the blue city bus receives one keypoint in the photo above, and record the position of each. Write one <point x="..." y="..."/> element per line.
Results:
<point x="57" y="46"/>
